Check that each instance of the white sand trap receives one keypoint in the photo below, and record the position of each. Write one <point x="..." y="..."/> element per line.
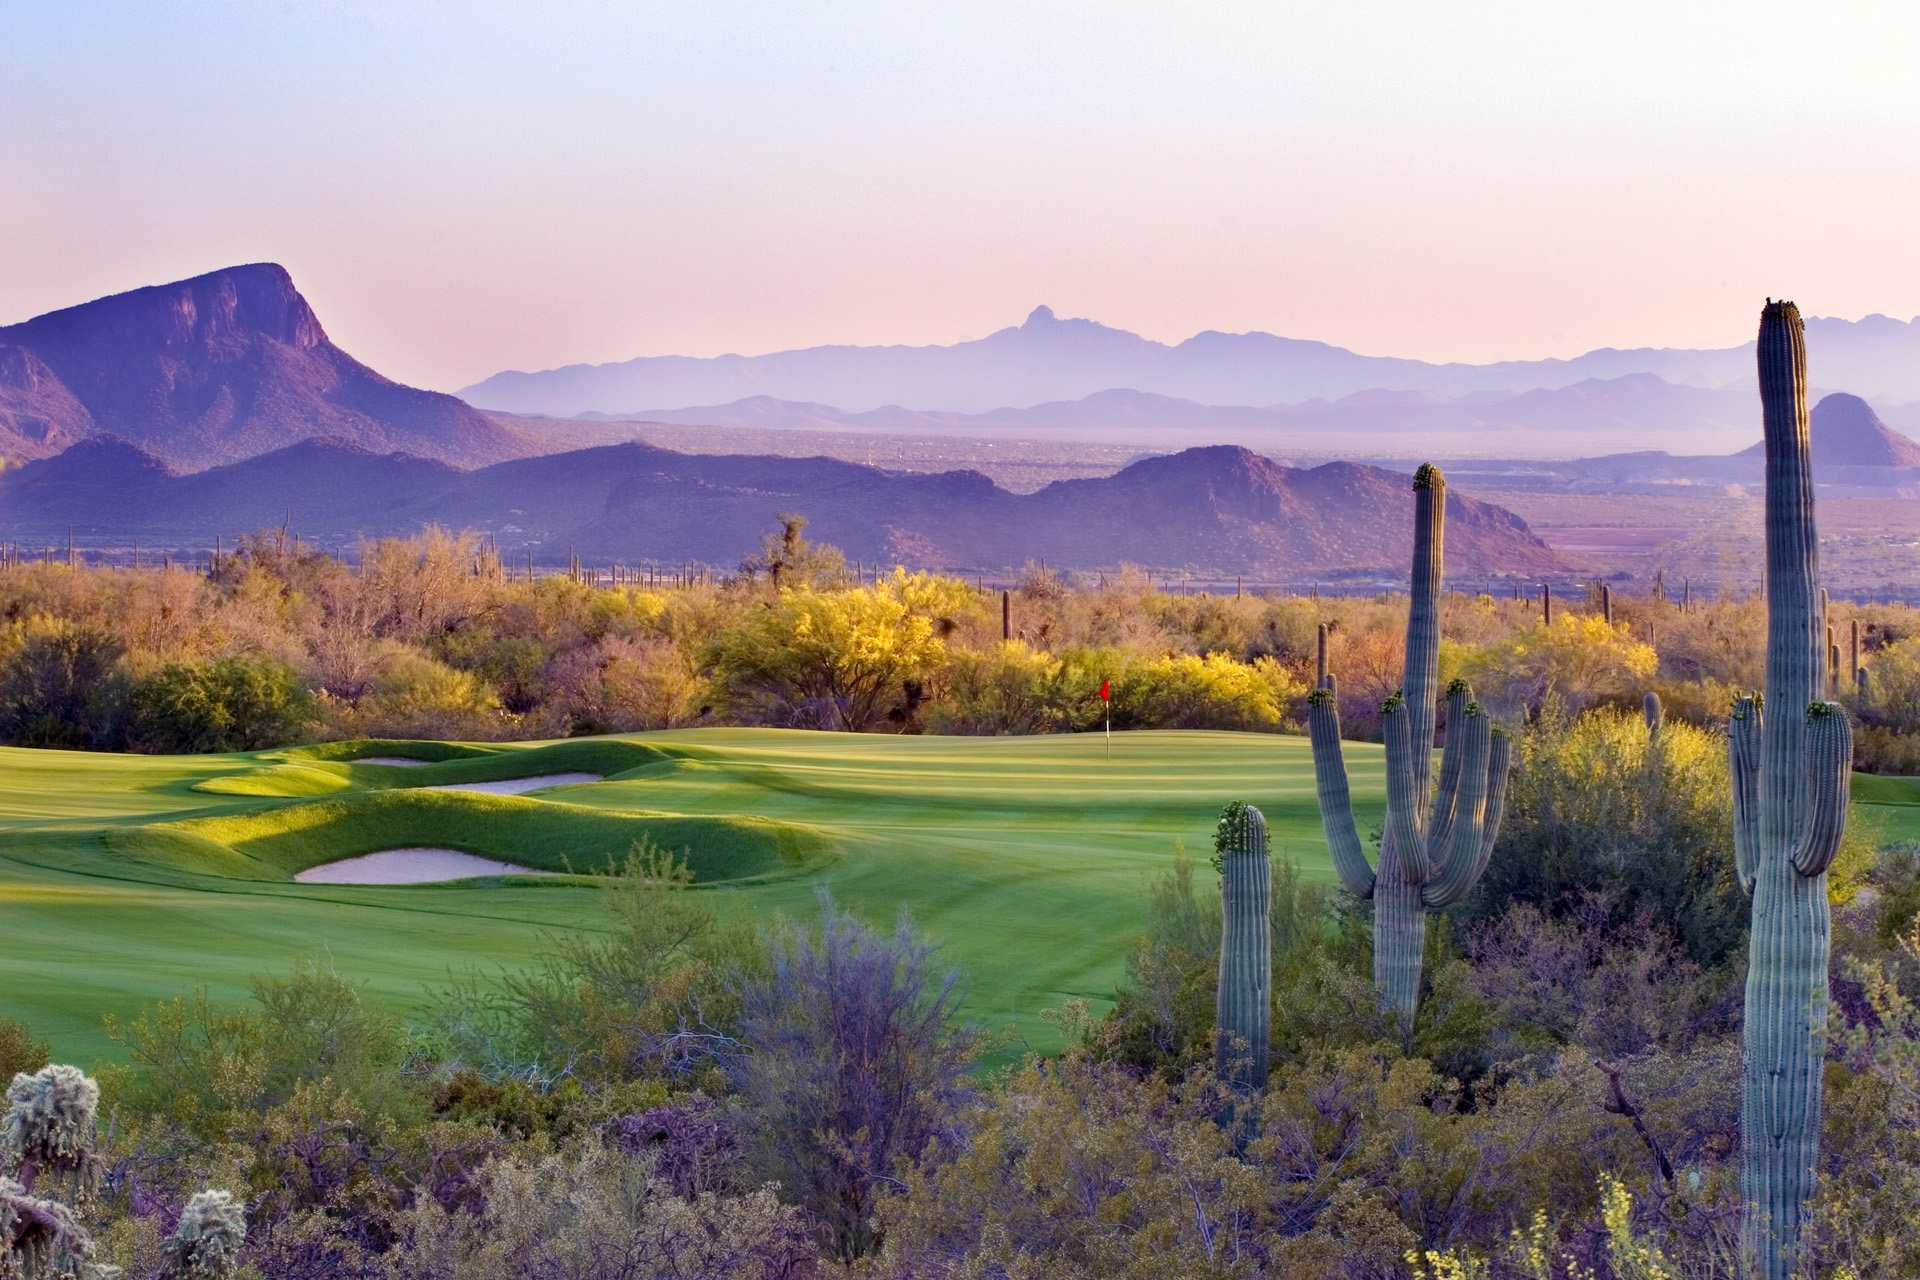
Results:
<point x="514" y="786"/>
<point x="399" y="760"/>
<point x="410" y="866"/>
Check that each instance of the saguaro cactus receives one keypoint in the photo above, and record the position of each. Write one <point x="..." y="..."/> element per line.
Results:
<point x="1791" y="776"/>
<point x="1243" y="1005"/>
<point x="1435" y="846"/>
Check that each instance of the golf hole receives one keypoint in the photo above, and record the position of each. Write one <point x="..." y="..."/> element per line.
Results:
<point x="410" y="866"/>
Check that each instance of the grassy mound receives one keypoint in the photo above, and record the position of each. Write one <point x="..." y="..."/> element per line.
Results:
<point x="327" y="769"/>
<point x="275" y="844"/>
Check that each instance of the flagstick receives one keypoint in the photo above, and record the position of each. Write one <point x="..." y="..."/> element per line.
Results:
<point x="1109" y="732"/>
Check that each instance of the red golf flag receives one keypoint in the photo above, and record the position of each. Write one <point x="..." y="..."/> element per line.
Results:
<point x="1104" y="695"/>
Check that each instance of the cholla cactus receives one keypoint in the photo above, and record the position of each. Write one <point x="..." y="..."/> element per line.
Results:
<point x="50" y="1128"/>
<point x="42" y="1240"/>
<point x="1791" y="781"/>
<point x="1436" y="845"/>
<point x="47" y="1137"/>
<point x="1243" y="1003"/>
<point x="212" y="1228"/>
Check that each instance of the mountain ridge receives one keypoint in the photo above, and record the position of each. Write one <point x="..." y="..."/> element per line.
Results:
<point x="1221" y="509"/>
<point x="1049" y="359"/>
<point x="213" y="369"/>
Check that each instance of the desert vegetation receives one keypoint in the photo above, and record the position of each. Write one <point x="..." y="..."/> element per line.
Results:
<point x="432" y="637"/>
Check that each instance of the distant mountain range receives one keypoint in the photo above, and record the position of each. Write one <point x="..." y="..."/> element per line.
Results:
<point x="1220" y="510"/>
<point x="1634" y="411"/>
<point x="1048" y="359"/>
<point x="214" y="369"/>
<point x="235" y="364"/>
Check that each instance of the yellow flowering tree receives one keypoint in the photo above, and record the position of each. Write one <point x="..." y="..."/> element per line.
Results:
<point x="1569" y="662"/>
<point x="825" y="659"/>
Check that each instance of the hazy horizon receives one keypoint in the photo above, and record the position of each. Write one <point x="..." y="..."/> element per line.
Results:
<point x="462" y="190"/>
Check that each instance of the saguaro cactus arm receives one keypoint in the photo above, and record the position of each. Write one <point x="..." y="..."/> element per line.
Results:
<point x="1477" y="807"/>
<point x="1744" y="731"/>
<point x="1404" y="790"/>
<point x="1829" y="786"/>
<point x="1336" y="801"/>
<point x="1440" y="823"/>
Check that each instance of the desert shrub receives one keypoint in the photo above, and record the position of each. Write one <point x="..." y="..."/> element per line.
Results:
<point x="57" y="685"/>
<point x="415" y="696"/>
<point x="849" y="660"/>
<point x="1598" y="806"/>
<point x="1881" y="749"/>
<point x="1578" y="977"/>
<point x="593" y="1212"/>
<point x="231" y="704"/>
<point x="789" y="559"/>
<point x="19" y="1051"/>
<point x="198" y="1063"/>
<point x="1212" y="692"/>
<point x="617" y="685"/>
<point x="1004" y="689"/>
<point x="1075" y="1170"/>
<point x="851" y="1062"/>
<point x="646" y="995"/>
<point x="1568" y="663"/>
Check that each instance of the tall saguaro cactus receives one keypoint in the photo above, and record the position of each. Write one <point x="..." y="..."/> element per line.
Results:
<point x="1791" y="778"/>
<point x="1243" y="1006"/>
<point x="1436" y="844"/>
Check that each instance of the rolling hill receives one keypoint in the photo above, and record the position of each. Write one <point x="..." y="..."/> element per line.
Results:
<point x="1221" y="509"/>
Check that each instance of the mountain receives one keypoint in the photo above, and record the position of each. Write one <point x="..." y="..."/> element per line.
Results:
<point x="1049" y="359"/>
<point x="1845" y="432"/>
<point x="214" y="369"/>
<point x="1221" y="510"/>
<point x="1635" y="411"/>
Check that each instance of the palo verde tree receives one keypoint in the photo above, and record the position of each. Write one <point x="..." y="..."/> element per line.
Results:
<point x="1791" y="781"/>
<point x="1435" y="845"/>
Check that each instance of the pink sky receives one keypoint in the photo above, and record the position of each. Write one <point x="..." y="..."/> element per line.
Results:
<point x="462" y="188"/>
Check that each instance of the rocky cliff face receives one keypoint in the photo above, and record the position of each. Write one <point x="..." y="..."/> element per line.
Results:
<point x="215" y="369"/>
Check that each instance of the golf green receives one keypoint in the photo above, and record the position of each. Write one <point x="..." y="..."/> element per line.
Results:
<point x="125" y="879"/>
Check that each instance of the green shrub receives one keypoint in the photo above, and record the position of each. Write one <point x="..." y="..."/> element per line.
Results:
<point x="233" y="704"/>
<point x="58" y="685"/>
<point x="1596" y="805"/>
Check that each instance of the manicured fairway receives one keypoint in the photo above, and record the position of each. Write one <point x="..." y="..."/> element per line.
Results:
<point x="125" y="879"/>
<point x="120" y="882"/>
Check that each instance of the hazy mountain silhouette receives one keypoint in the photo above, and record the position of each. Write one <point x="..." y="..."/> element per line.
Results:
<point x="1846" y="432"/>
<point x="1635" y="411"/>
<point x="214" y="369"/>
<point x="1221" y="510"/>
<point x="1049" y="359"/>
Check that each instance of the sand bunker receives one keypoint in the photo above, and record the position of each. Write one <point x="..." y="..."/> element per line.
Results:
<point x="514" y="786"/>
<point x="399" y="760"/>
<point x="410" y="866"/>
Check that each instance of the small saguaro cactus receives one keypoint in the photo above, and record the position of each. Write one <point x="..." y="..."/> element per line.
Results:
<point x="1243" y="1005"/>
<point x="1791" y="779"/>
<point x="1435" y="845"/>
<point x="1654" y="713"/>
